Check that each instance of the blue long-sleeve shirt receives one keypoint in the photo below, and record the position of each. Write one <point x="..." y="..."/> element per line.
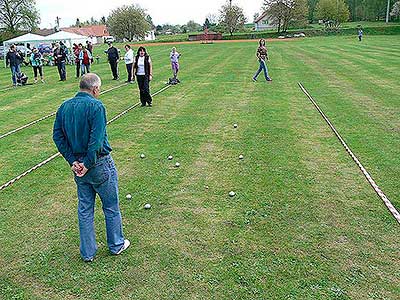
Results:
<point x="80" y="130"/>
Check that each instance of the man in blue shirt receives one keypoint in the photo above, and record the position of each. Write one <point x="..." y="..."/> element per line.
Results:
<point x="81" y="137"/>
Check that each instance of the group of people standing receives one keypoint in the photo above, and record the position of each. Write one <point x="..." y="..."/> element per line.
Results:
<point x="83" y="58"/>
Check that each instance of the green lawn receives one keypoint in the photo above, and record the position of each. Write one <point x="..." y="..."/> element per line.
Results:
<point x="304" y="223"/>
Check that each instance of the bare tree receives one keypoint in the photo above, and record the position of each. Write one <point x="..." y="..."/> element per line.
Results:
<point x="18" y="15"/>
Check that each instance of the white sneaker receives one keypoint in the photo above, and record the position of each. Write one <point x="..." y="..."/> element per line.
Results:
<point x="126" y="245"/>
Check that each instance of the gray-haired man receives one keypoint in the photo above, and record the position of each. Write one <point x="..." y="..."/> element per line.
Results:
<point x="80" y="135"/>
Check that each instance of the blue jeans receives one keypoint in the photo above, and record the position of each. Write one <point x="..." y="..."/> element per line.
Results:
<point x="14" y="71"/>
<point x="102" y="179"/>
<point x="85" y="68"/>
<point x="61" y="70"/>
<point x="263" y="66"/>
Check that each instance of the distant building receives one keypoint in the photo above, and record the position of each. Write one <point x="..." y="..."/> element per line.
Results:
<point x="263" y="22"/>
<point x="96" y="33"/>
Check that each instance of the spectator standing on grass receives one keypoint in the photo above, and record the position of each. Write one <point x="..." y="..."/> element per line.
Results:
<point x="59" y="57"/>
<point x="85" y="58"/>
<point x="129" y="59"/>
<point x="262" y="55"/>
<point x="13" y="59"/>
<point x="174" y="56"/>
<point x="360" y="34"/>
<point x="81" y="137"/>
<point x="143" y="70"/>
<point x="113" y="58"/>
<point x="37" y="64"/>
<point x="77" y="49"/>
<point x="89" y="47"/>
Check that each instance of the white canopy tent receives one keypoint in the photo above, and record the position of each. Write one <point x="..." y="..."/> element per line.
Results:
<point x="34" y="40"/>
<point x="68" y="38"/>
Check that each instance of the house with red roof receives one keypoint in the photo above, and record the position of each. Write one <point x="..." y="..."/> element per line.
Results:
<point x="96" y="33"/>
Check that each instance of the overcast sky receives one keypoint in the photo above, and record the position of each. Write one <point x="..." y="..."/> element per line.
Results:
<point x="162" y="11"/>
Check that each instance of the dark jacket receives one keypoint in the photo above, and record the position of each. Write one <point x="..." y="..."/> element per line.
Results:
<point x="61" y="52"/>
<point x="13" y="58"/>
<point x="112" y="54"/>
<point x="146" y="64"/>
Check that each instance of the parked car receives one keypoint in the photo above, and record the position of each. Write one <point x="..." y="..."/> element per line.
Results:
<point x="2" y="52"/>
<point x="109" y="39"/>
<point x="44" y="48"/>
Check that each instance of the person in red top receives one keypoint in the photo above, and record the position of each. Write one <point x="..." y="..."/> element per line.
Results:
<point x="77" y="49"/>
<point x="85" y="57"/>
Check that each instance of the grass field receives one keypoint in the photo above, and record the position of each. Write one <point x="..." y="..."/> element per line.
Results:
<point x="304" y="223"/>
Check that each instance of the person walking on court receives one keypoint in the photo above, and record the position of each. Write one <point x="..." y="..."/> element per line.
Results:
<point x="262" y="55"/>
<point x="80" y="135"/>
<point x="36" y="59"/>
<point x="129" y="59"/>
<point x="360" y="34"/>
<point x="85" y="58"/>
<point x="143" y="70"/>
<point x="60" y="57"/>
<point x="113" y="58"/>
<point x="13" y="59"/>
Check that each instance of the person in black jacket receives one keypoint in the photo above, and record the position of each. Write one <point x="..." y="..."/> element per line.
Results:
<point x="14" y="59"/>
<point x="60" y="57"/>
<point x="144" y="74"/>
<point x="113" y="58"/>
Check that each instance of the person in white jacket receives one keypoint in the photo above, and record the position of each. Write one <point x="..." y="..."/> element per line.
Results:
<point x="129" y="59"/>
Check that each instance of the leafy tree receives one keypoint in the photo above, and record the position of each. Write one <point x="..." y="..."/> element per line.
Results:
<point x="333" y="13"/>
<point x="396" y="10"/>
<point x="231" y="17"/>
<point x="287" y="12"/>
<point x="18" y="15"/>
<point x="129" y="22"/>
<point x="312" y="4"/>
<point x="192" y="26"/>
<point x="149" y="19"/>
<point x="207" y="24"/>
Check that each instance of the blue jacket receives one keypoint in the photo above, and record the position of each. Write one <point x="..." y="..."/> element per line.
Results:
<point x="80" y="130"/>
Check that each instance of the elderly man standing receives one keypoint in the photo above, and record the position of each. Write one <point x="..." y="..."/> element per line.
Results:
<point x="80" y="135"/>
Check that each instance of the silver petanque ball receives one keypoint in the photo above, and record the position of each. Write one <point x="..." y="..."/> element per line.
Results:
<point x="241" y="156"/>
<point x="147" y="206"/>
<point x="235" y="125"/>
<point x="129" y="196"/>
<point x="142" y="155"/>
<point x="177" y="165"/>
<point x="170" y="157"/>
<point x="231" y="194"/>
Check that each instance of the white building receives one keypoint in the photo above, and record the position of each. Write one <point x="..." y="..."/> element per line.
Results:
<point x="263" y="22"/>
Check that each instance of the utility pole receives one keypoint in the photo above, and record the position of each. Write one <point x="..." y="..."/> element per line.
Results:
<point x="387" y="11"/>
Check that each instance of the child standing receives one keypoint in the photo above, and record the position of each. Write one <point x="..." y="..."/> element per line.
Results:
<point x="360" y="34"/>
<point x="174" y="56"/>
<point x="262" y="55"/>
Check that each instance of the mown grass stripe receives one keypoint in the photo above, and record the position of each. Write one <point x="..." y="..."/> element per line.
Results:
<point x="380" y="193"/>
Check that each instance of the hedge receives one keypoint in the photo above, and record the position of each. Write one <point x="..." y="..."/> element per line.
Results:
<point x="382" y="30"/>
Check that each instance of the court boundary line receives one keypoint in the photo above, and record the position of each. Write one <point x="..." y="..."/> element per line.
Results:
<point x="369" y="178"/>
<point x="10" y="182"/>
